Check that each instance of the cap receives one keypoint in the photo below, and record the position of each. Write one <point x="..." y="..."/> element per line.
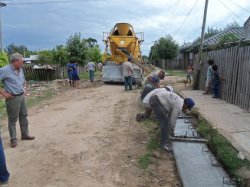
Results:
<point x="189" y="102"/>
<point x="169" y="88"/>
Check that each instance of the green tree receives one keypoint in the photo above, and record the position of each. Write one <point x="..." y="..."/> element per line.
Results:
<point x="165" y="48"/>
<point x="210" y="32"/>
<point x="21" y="49"/>
<point x="60" y="55"/>
<point x="45" y="57"/>
<point x="77" y="48"/>
<point x="234" y="24"/>
<point x="92" y="42"/>
<point x="3" y="59"/>
<point x="94" y="54"/>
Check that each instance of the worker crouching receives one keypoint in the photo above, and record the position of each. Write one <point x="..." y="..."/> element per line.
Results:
<point x="166" y="107"/>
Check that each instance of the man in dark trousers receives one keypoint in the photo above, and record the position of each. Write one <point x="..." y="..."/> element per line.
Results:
<point x="13" y="80"/>
<point x="127" y="73"/>
<point x="167" y="106"/>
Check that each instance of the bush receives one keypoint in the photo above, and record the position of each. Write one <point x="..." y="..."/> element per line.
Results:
<point x="3" y="59"/>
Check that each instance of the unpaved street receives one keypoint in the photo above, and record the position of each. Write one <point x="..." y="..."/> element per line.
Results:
<point x="85" y="137"/>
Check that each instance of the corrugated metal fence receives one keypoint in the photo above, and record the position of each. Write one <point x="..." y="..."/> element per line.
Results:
<point x="234" y="65"/>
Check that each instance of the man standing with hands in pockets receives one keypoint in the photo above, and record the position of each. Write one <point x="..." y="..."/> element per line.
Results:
<point x="12" y="77"/>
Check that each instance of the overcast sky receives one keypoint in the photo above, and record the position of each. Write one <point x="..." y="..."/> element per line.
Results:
<point x="45" y="25"/>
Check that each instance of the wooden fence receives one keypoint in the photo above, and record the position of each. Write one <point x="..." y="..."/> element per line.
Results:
<point x="61" y="71"/>
<point x="234" y="65"/>
<point x="170" y="64"/>
<point x="41" y="74"/>
<point x="47" y="74"/>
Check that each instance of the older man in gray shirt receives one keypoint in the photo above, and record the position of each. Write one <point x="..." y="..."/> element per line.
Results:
<point x="13" y="80"/>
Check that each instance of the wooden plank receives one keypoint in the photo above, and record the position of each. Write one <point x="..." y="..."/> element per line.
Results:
<point x="236" y="66"/>
<point x="246" y="78"/>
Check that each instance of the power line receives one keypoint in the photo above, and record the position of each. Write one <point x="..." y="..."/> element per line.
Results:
<point x="230" y="10"/>
<point x="188" y="14"/>
<point x="171" y="15"/>
<point x="239" y="6"/>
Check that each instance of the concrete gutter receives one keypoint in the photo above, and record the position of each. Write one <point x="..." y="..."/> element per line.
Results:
<point x="231" y="121"/>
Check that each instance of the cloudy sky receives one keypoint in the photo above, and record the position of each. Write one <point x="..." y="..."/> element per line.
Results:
<point x="47" y="23"/>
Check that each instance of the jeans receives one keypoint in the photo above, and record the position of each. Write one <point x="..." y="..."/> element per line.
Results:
<point x="128" y="82"/>
<point x="216" y="90"/>
<point x="162" y="116"/>
<point x="16" y="108"/>
<point x="147" y="88"/>
<point x="91" y="75"/>
<point x="4" y="174"/>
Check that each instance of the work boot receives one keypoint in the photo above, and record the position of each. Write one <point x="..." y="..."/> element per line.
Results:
<point x="167" y="147"/>
<point x="13" y="143"/>
<point x="28" y="138"/>
<point x="4" y="183"/>
<point x="139" y="117"/>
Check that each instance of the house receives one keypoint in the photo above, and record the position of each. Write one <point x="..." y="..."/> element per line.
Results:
<point x="31" y="59"/>
<point x="188" y="51"/>
<point x="247" y="29"/>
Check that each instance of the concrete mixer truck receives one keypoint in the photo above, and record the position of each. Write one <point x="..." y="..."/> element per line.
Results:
<point x="120" y="43"/>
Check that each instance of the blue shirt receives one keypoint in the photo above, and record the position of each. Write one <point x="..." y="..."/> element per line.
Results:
<point x="13" y="80"/>
<point x="69" y="68"/>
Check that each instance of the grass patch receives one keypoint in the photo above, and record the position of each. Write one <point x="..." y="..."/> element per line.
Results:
<point x="85" y="75"/>
<point x="222" y="149"/>
<point x="179" y="73"/>
<point x="144" y="161"/>
<point x="152" y="145"/>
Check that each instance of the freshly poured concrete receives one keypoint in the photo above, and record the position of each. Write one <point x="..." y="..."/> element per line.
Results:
<point x="184" y="128"/>
<point x="194" y="165"/>
<point x="231" y="121"/>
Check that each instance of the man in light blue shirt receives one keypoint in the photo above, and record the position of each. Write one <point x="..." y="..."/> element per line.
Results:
<point x="12" y="77"/>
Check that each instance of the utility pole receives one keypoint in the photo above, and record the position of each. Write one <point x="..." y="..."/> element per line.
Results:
<point x="1" y="42"/>
<point x="196" y="84"/>
<point x="152" y="52"/>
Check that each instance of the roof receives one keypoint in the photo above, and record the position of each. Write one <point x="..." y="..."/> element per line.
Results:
<point x="247" y="21"/>
<point x="214" y="40"/>
<point x="186" y="45"/>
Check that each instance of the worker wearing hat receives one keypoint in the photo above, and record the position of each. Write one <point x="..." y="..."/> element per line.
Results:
<point x="167" y="106"/>
<point x="145" y="101"/>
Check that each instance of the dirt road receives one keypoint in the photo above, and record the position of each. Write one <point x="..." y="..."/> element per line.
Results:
<point x="85" y="137"/>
